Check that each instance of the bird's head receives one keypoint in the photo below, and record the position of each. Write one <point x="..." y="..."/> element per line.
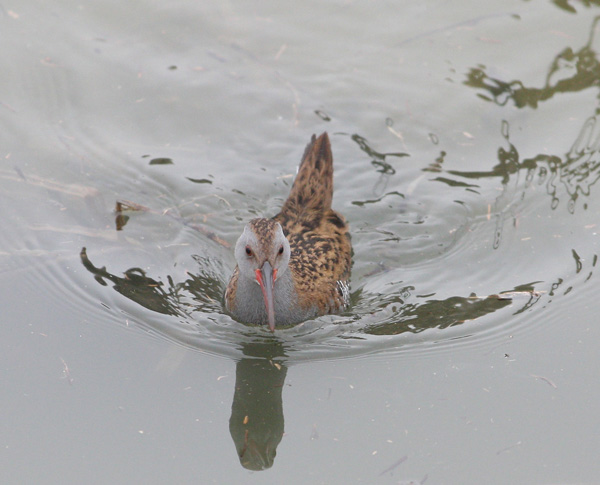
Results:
<point x="263" y="253"/>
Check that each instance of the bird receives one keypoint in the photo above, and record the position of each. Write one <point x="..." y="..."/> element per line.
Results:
<point x="296" y="265"/>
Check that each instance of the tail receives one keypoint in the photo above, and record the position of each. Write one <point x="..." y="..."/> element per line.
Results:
<point x="313" y="187"/>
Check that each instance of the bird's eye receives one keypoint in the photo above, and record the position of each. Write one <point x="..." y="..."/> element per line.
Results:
<point x="248" y="251"/>
<point x="281" y="250"/>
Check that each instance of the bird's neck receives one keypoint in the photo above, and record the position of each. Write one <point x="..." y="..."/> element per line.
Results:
<point x="250" y="304"/>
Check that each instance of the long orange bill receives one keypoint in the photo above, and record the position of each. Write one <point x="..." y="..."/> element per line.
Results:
<point x="266" y="280"/>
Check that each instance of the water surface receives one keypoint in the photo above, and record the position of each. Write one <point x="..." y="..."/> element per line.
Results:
<point x="466" y="143"/>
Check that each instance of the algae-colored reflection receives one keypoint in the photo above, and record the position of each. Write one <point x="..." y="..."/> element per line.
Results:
<point x="577" y="170"/>
<point x="442" y="313"/>
<point x="570" y="71"/>
<point x="572" y="5"/>
<point x="155" y="295"/>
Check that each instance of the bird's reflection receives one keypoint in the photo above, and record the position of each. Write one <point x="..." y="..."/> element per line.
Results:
<point x="257" y="424"/>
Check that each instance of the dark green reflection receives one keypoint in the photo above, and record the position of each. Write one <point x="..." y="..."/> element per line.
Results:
<point x="257" y="424"/>
<point x="135" y="285"/>
<point x="203" y="288"/>
<point x="439" y="314"/>
<point x="569" y="5"/>
<point x="379" y="160"/>
<point x="404" y="311"/>
<point x="570" y="71"/>
<point x="576" y="170"/>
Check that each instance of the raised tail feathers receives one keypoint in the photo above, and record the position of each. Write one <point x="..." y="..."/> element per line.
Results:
<point x="313" y="186"/>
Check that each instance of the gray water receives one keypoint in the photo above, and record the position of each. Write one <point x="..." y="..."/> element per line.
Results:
<point x="467" y="148"/>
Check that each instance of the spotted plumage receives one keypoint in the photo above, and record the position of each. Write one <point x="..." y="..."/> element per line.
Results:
<point x="296" y="265"/>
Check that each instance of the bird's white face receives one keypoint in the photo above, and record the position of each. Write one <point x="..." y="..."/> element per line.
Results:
<point x="263" y="253"/>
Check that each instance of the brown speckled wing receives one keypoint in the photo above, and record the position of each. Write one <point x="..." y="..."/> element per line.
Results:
<point x="320" y="259"/>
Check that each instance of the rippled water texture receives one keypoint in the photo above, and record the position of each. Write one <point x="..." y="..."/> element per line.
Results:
<point x="440" y="253"/>
<point x="138" y="140"/>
